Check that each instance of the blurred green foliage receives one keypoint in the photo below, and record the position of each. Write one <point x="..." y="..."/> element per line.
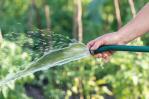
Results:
<point x="124" y="77"/>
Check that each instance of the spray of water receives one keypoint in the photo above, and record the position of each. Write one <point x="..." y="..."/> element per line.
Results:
<point x="50" y="59"/>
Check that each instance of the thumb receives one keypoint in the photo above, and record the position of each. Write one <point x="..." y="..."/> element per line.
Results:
<point x="90" y="44"/>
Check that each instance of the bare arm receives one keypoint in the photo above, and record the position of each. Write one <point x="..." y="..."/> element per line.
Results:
<point x="135" y="28"/>
<point x="138" y="26"/>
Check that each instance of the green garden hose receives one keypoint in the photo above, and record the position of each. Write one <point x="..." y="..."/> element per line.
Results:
<point x="120" y="48"/>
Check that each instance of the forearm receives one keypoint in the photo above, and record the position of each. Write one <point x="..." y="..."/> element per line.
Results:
<point x="136" y="27"/>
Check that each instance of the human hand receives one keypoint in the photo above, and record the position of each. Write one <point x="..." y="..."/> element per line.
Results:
<point x="114" y="38"/>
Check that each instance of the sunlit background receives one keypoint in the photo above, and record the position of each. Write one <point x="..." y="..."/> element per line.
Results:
<point x="30" y="28"/>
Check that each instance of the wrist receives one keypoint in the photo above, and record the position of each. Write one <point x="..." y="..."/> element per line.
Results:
<point x="123" y="38"/>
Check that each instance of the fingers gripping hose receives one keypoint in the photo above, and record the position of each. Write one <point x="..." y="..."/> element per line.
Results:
<point x="120" y="48"/>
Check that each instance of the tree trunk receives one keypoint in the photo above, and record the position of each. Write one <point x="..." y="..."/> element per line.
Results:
<point x="118" y="14"/>
<point x="38" y="18"/>
<point x="34" y="12"/>
<point x="132" y="7"/>
<point x="1" y="38"/>
<point x="47" y="15"/>
<point x="133" y="12"/>
<point x="48" y="24"/>
<point x="77" y="28"/>
<point x="30" y="17"/>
